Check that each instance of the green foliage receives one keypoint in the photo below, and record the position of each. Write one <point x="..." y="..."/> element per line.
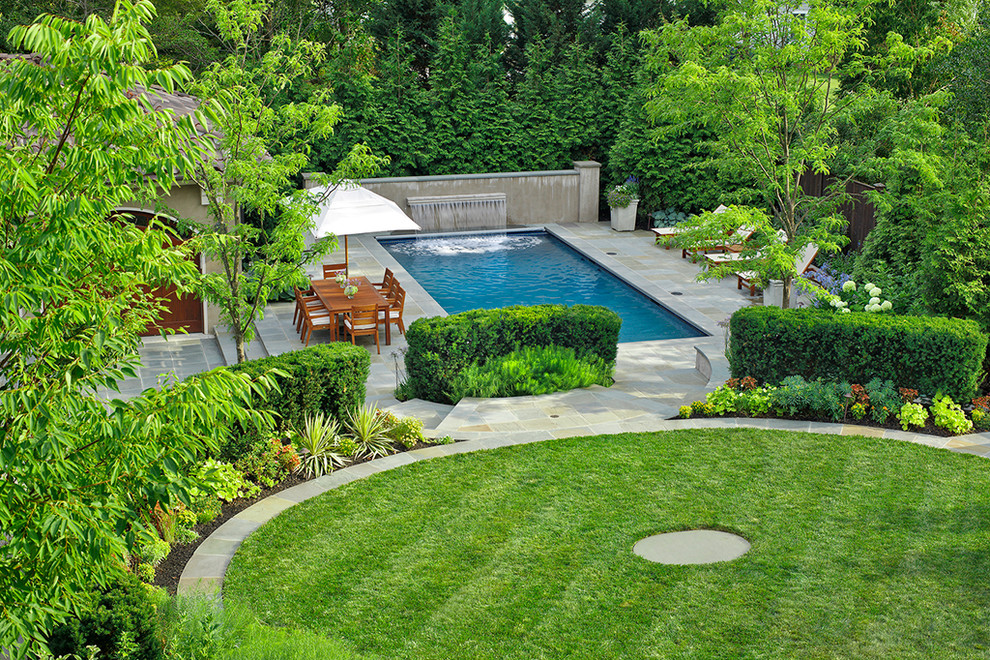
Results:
<point x="151" y="550"/>
<point x="980" y="419"/>
<point x="796" y="396"/>
<point x="119" y="617"/>
<point x="957" y="259"/>
<point x="263" y="146"/>
<point x="623" y="194"/>
<point x="441" y="347"/>
<point x="368" y="431"/>
<point x="912" y="414"/>
<point x="81" y="137"/>
<point x="927" y="354"/>
<point x="328" y="378"/>
<point x="318" y="444"/>
<point x="885" y="400"/>
<point x="949" y="415"/>
<point x="207" y="508"/>
<point x="724" y="400"/>
<point x="530" y="370"/>
<point x="858" y="411"/>
<point x="222" y="480"/>
<point x="684" y="412"/>
<point x="407" y="431"/>
<point x="261" y="462"/>
<point x="202" y="629"/>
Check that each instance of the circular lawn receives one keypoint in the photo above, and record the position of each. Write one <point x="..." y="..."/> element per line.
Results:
<point x="860" y="548"/>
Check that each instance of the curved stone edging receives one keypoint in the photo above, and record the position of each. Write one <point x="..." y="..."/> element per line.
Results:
<point x="205" y="570"/>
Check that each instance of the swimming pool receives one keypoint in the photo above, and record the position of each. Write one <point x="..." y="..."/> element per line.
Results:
<point x="528" y="268"/>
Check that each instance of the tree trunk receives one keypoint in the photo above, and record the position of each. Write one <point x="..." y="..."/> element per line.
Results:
<point x="785" y="299"/>
<point x="241" y="348"/>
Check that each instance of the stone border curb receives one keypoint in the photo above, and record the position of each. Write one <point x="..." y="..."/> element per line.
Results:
<point x="205" y="570"/>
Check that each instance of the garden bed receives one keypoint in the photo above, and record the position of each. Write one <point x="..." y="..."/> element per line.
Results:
<point x="168" y="572"/>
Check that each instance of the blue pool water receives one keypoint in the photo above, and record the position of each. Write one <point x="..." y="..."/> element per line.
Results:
<point x="495" y="270"/>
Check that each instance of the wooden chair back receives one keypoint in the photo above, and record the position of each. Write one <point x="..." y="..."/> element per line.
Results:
<point x="362" y="320"/>
<point x="329" y="270"/>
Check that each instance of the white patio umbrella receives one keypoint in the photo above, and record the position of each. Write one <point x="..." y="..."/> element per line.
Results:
<point x="351" y="209"/>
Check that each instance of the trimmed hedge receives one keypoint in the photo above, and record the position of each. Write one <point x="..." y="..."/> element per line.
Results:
<point x="442" y="346"/>
<point x="929" y="354"/>
<point x="328" y="378"/>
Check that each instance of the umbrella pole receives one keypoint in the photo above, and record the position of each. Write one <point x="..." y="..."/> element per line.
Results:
<point x="347" y="261"/>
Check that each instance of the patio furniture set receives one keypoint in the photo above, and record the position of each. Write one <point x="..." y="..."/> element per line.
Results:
<point x="325" y="305"/>
<point x="731" y="249"/>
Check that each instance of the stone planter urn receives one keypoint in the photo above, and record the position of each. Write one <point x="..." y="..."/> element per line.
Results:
<point x="624" y="219"/>
<point x="773" y="295"/>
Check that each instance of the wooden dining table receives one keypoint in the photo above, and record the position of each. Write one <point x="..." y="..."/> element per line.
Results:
<point x="333" y="298"/>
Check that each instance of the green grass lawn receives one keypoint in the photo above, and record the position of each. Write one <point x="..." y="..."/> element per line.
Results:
<point x="861" y="548"/>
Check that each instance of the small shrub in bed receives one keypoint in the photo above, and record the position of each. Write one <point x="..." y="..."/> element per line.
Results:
<point x="929" y="354"/>
<point x="440" y="348"/>
<point x="120" y="620"/>
<point x="532" y="370"/>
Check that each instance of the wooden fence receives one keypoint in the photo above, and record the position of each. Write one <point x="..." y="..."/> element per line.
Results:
<point x="858" y="211"/>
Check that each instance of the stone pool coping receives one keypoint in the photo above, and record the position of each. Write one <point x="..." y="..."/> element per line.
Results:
<point x="205" y="570"/>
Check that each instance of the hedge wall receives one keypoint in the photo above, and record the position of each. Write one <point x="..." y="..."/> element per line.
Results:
<point x="440" y="347"/>
<point x="930" y="354"/>
<point x="327" y="378"/>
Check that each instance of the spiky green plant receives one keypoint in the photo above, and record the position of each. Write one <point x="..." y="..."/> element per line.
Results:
<point x="368" y="428"/>
<point x="317" y="444"/>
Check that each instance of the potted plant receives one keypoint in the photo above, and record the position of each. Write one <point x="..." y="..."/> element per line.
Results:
<point x="623" y="200"/>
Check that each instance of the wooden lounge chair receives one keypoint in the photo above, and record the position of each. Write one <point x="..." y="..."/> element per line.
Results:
<point x="317" y="318"/>
<point x="736" y="255"/>
<point x="362" y="321"/>
<point x="732" y="243"/>
<point x="802" y="263"/>
<point x="661" y="233"/>
<point x="397" y="302"/>
<point x="330" y="270"/>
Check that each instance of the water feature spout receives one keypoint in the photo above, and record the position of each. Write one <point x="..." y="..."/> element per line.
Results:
<point x="459" y="212"/>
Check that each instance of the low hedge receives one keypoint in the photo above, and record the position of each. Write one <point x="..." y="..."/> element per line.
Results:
<point x="929" y="354"/>
<point x="441" y="347"/>
<point x="328" y="378"/>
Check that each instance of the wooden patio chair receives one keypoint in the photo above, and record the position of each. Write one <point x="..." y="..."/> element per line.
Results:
<point x="317" y="318"/>
<point x="386" y="284"/>
<point x="397" y="302"/>
<point x="329" y="270"/>
<point x="362" y="320"/>
<point x="303" y="299"/>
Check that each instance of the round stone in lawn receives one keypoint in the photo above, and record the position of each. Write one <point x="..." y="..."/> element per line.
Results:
<point x="695" y="546"/>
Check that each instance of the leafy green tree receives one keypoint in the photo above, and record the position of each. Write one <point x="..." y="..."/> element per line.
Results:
<point x="415" y="23"/>
<point x="556" y="24"/>
<point x="763" y="81"/>
<point x="261" y="147"/>
<point x="80" y="138"/>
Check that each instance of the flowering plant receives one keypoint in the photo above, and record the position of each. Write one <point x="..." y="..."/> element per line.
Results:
<point x="340" y="277"/>
<point x="623" y="194"/>
<point x="350" y="290"/>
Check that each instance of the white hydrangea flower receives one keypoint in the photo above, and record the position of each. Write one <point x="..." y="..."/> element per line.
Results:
<point x="869" y="285"/>
<point x="849" y="286"/>
<point x="876" y="291"/>
<point x="874" y="300"/>
<point x="886" y="305"/>
<point x="844" y="310"/>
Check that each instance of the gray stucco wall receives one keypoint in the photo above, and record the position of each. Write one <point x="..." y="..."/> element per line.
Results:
<point x="558" y="196"/>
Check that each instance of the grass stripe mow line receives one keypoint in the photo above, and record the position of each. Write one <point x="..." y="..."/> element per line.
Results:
<point x="861" y="548"/>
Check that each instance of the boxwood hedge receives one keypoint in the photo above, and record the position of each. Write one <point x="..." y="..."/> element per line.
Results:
<point x="930" y="354"/>
<point x="327" y="378"/>
<point x="440" y="347"/>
